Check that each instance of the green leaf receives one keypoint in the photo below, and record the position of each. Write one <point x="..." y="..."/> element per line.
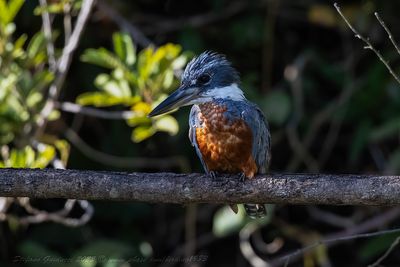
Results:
<point x="124" y="48"/>
<point x="9" y="29"/>
<point x="123" y="84"/>
<point x="112" y="87"/>
<point x="3" y="12"/>
<point x="138" y="120"/>
<point x="13" y="8"/>
<point x="168" y="78"/>
<point x="141" y="133"/>
<point x="277" y="107"/>
<point x="99" y="99"/>
<point x="21" y="158"/>
<point x="33" y="99"/>
<point x="145" y="64"/>
<point x="180" y="62"/>
<point x="226" y="222"/>
<point x="20" y="42"/>
<point x="103" y="58"/>
<point x="63" y="148"/>
<point x="28" y="158"/>
<point x="36" y="49"/>
<point x="42" y="79"/>
<point x="45" y="155"/>
<point x="19" y="46"/>
<point x="54" y="8"/>
<point x="167" y="124"/>
<point x="36" y="44"/>
<point x="54" y="115"/>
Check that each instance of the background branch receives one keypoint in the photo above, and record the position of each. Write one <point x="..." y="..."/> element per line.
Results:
<point x="126" y="162"/>
<point x="95" y="112"/>
<point x="368" y="43"/>
<point x="125" y="25"/>
<point x="64" y="63"/>
<point x="389" y="33"/>
<point x="359" y="231"/>
<point x="48" y="35"/>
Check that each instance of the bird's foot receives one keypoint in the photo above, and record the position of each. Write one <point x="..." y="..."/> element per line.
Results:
<point x="242" y="177"/>
<point x="213" y="175"/>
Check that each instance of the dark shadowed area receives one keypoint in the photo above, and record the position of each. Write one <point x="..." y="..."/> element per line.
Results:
<point x="79" y="77"/>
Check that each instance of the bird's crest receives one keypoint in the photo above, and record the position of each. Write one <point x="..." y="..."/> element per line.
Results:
<point x="208" y="60"/>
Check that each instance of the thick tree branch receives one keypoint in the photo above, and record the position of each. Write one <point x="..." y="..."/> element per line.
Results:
<point x="199" y="188"/>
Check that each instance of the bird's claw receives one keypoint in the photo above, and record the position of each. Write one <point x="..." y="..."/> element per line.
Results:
<point x="242" y="177"/>
<point x="213" y="175"/>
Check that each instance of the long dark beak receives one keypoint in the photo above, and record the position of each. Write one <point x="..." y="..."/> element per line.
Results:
<point x="181" y="97"/>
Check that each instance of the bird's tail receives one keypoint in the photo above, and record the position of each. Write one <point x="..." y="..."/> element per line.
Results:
<point x="255" y="211"/>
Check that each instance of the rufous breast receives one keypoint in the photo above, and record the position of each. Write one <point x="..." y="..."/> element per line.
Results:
<point x="225" y="143"/>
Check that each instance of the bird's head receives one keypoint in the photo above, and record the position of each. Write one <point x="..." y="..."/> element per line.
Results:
<point x="206" y="77"/>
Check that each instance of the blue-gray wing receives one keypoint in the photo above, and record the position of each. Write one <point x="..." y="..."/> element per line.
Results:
<point x="261" y="149"/>
<point x="194" y="122"/>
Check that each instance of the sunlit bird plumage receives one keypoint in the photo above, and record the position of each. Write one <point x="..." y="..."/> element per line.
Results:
<point x="230" y="134"/>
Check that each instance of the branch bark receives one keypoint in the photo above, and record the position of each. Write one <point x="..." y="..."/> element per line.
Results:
<point x="199" y="188"/>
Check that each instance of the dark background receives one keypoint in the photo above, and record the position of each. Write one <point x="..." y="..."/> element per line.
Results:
<point x="332" y="108"/>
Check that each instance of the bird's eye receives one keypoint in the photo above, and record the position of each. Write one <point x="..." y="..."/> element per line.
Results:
<point x="204" y="78"/>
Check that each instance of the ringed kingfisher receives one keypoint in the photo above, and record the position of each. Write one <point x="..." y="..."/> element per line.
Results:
<point x="230" y="134"/>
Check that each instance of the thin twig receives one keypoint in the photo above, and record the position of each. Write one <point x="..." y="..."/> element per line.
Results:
<point x="190" y="232"/>
<point x="48" y="36"/>
<point x="94" y="112"/>
<point x="322" y="117"/>
<point x="387" y="253"/>
<point x="336" y="122"/>
<point x="330" y="218"/>
<point x="125" y="25"/>
<point x="388" y="32"/>
<point x="246" y="247"/>
<point x="341" y="239"/>
<point x="368" y="43"/>
<point x="60" y="216"/>
<point x="63" y="65"/>
<point x="293" y="75"/>
<point x="126" y="162"/>
<point x="355" y="232"/>
<point x="42" y="216"/>
<point x="67" y="22"/>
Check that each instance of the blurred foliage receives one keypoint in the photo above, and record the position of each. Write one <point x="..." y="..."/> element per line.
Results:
<point x="57" y="7"/>
<point x="24" y="79"/>
<point x="278" y="106"/>
<point x="341" y="94"/>
<point x="102" y="253"/>
<point x="226" y="222"/>
<point x="140" y="81"/>
<point x="28" y="158"/>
